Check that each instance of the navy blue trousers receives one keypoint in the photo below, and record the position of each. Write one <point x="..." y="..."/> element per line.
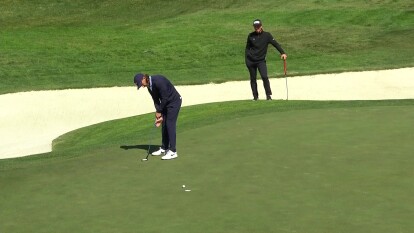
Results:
<point x="169" y="126"/>
<point x="253" y="67"/>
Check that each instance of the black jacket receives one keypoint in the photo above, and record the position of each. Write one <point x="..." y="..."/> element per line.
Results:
<point x="162" y="92"/>
<point x="256" y="46"/>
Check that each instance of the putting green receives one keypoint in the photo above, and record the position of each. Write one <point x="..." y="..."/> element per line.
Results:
<point x="319" y="170"/>
<point x="348" y="170"/>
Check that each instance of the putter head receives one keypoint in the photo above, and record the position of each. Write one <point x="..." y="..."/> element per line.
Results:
<point x="143" y="160"/>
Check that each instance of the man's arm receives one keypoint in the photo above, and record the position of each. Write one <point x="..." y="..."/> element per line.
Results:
<point x="162" y="90"/>
<point x="155" y="99"/>
<point x="248" y="46"/>
<point x="275" y="44"/>
<point x="248" y="43"/>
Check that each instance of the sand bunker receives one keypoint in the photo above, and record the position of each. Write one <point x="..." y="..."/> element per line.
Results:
<point x="29" y="121"/>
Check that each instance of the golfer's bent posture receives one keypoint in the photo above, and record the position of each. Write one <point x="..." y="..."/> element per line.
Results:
<point x="167" y="102"/>
<point x="256" y="50"/>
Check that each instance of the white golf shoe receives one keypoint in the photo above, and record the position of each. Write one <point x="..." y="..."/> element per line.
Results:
<point x="158" y="152"/>
<point x="169" y="155"/>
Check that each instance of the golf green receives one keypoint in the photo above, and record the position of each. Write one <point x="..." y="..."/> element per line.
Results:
<point x="316" y="170"/>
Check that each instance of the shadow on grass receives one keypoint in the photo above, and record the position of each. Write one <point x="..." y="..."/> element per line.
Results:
<point x="151" y="148"/>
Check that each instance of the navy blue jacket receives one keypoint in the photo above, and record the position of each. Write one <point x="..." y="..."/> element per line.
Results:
<point x="162" y="92"/>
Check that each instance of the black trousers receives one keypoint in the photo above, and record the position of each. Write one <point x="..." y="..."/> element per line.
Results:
<point x="253" y="67"/>
<point x="169" y="126"/>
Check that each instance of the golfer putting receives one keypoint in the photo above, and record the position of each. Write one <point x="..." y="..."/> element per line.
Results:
<point x="167" y="103"/>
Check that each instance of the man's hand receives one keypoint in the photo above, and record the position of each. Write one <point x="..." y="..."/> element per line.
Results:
<point x="283" y="56"/>
<point x="158" y="119"/>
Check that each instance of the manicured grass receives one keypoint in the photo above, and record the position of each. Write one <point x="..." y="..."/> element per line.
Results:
<point x="77" y="44"/>
<point x="296" y="166"/>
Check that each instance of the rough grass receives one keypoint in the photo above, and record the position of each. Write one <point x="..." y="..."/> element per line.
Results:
<point x="78" y="44"/>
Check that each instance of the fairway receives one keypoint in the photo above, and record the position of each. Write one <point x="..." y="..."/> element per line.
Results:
<point x="333" y="169"/>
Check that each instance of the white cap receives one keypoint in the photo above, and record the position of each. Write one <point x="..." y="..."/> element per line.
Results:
<point x="257" y="22"/>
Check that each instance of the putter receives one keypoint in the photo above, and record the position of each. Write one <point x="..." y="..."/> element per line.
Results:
<point x="149" y="143"/>
<point x="287" y="89"/>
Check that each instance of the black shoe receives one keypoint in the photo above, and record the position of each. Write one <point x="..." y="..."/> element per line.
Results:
<point x="255" y="98"/>
<point x="268" y="97"/>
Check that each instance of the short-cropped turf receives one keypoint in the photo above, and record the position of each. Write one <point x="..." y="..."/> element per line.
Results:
<point x="281" y="166"/>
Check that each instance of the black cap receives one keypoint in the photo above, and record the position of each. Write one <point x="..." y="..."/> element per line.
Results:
<point x="257" y="22"/>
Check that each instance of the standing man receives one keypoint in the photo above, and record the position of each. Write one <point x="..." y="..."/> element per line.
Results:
<point x="256" y="50"/>
<point x="167" y="102"/>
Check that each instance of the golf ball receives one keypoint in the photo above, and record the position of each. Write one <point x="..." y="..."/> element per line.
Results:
<point x="183" y="185"/>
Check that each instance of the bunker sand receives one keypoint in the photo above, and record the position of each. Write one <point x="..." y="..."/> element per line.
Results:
<point x="30" y="121"/>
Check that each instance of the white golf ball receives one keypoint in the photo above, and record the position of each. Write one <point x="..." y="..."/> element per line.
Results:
<point x="183" y="185"/>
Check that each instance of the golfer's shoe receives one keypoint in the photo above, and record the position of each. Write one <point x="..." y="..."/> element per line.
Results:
<point x="158" y="152"/>
<point x="268" y="97"/>
<point x="170" y="155"/>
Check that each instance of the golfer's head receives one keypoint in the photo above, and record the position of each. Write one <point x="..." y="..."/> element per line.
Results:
<point x="257" y="25"/>
<point x="141" y="80"/>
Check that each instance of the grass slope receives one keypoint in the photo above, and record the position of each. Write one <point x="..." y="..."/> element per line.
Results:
<point x="74" y="44"/>
<point x="262" y="166"/>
